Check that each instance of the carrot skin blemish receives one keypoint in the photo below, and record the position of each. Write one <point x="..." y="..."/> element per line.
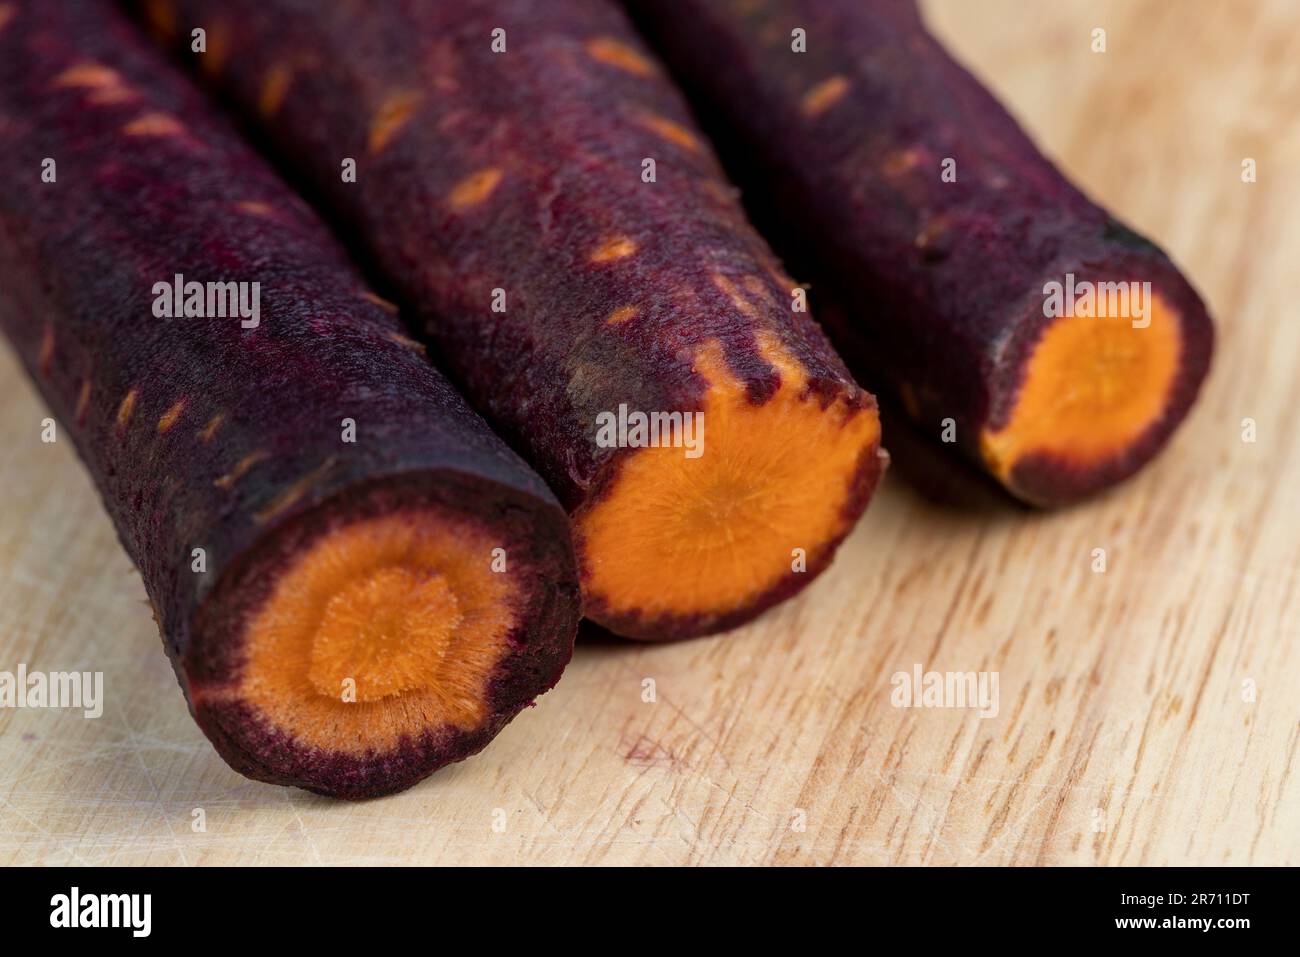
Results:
<point x="933" y="230"/>
<point x="474" y="188"/>
<point x="154" y="124"/>
<point x="618" y="53"/>
<point x="618" y="247"/>
<point x="392" y="114"/>
<point x="562" y="286"/>
<point x="169" y="418"/>
<point x="343" y="616"/>
<point x="274" y="88"/>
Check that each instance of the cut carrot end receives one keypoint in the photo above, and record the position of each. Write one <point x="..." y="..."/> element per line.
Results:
<point x="380" y="630"/>
<point x="1093" y="387"/>
<point x="704" y="539"/>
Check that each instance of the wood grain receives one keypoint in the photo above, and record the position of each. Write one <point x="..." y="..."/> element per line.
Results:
<point x="1123" y="735"/>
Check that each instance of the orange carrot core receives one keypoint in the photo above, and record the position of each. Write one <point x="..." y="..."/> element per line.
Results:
<point x="386" y="633"/>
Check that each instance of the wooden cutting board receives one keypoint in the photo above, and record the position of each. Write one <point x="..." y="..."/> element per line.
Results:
<point x="1149" y="714"/>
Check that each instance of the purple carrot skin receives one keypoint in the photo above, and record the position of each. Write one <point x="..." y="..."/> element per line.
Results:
<point x="515" y="178"/>
<point x="937" y="289"/>
<point x="350" y="633"/>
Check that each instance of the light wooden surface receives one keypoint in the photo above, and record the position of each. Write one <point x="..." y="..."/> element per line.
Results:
<point x="1123" y="735"/>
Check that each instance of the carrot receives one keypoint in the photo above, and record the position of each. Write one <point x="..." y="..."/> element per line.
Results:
<point x="956" y="268"/>
<point x="530" y="181"/>
<point x="356" y="581"/>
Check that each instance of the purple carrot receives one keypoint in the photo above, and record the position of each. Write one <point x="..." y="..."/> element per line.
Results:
<point x="956" y="269"/>
<point x="356" y="581"/>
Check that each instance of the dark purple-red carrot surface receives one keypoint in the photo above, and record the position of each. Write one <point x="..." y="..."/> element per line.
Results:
<point x="356" y="581"/>
<point x="528" y="178"/>
<point x="957" y="270"/>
